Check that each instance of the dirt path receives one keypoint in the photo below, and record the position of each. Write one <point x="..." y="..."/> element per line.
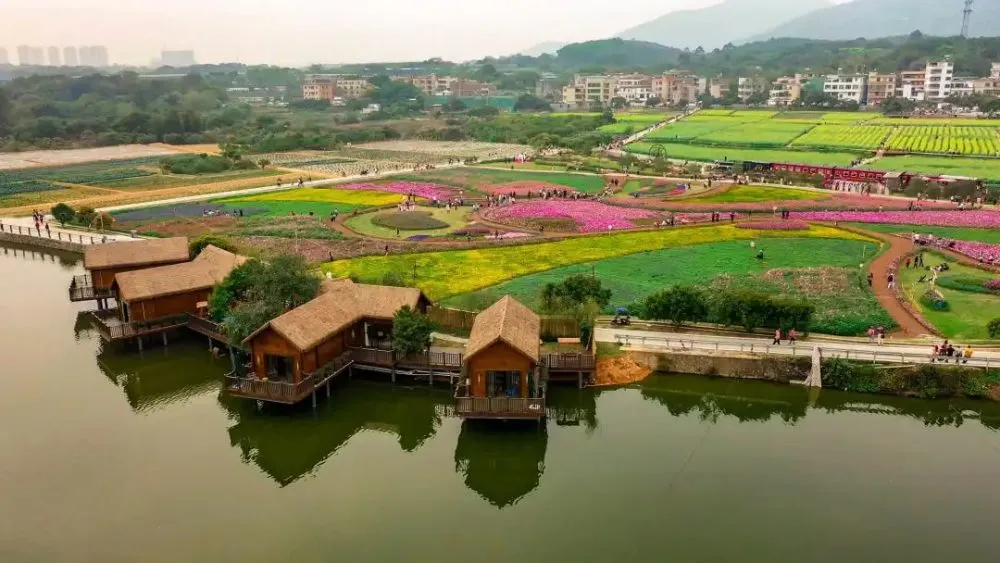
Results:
<point x="909" y="326"/>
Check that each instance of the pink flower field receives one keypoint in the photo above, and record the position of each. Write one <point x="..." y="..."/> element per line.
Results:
<point x="989" y="253"/>
<point x="983" y="219"/>
<point x="785" y="225"/>
<point x="591" y="216"/>
<point x="835" y="201"/>
<point x="426" y="191"/>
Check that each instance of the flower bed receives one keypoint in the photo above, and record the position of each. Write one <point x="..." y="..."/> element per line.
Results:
<point x="985" y="219"/>
<point x="828" y="201"/>
<point x="523" y="187"/>
<point x="989" y="253"/>
<point x="775" y="225"/>
<point x="427" y="191"/>
<point x="591" y="216"/>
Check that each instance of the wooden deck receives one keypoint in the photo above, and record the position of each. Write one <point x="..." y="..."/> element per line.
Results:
<point x="573" y="362"/>
<point x="113" y="329"/>
<point x="250" y="387"/>
<point x="437" y="360"/>
<point x="81" y="288"/>
<point x="499" y="408"/>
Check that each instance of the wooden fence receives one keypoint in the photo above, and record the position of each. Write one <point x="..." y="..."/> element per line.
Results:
<point x="457" y="319"/>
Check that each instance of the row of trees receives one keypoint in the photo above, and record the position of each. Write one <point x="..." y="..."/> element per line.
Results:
<point x="746" y="309"/>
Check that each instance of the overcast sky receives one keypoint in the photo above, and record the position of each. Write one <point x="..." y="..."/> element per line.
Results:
<point x="298" y="32"/>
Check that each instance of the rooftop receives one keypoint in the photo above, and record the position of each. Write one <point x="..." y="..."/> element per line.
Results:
<point x="205" y="271"/>
<point x="506" y="321"/>
<point x="147" y="252"/>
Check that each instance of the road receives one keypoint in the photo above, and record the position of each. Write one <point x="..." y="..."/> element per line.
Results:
<point x="26" y="226"/>
<point x="851" y="349"/>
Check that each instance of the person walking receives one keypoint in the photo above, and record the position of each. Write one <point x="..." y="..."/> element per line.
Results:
<point x="792" y="335"/>
<point x="881" y="334"/>
<point x="967" y="354"/>
<point x="871" y="335"/>
<point x="871" y="279"/>
<point x="892" y="281"/>
<point x="777" y="337"/>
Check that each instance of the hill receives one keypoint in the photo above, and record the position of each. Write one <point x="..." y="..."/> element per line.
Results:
<point x="616" y="53"/>
<point x="546" y="48"/>
<point x="883" y="18"/>
<point x="729" y="22"/>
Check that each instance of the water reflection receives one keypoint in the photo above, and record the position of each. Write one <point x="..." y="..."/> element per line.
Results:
<point x="750" y="401"/>
<point x="161" y="375"/>
<point x="66" y="260"/>
<point x="501" y="461"/>
<point x="288" y="443"/>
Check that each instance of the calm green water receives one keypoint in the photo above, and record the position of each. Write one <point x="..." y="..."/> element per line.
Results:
<point x="107" y="456"/>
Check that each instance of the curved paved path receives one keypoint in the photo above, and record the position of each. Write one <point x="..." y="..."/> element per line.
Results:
<point x="909" y="326"/>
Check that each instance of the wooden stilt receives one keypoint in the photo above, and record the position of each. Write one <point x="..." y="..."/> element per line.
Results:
<point x="392" y="374"/>
<point x="430" y="378"/>
<point x="164" y="333"/>
<point x="327" y="389"/>
<point x="139" y="340"/>
<point x="232" y="359"/>
<point x="314" y="399"/>
<point x="579" y="379"/>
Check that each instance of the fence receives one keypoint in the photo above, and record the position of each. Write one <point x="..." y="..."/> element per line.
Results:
<point x="882" y="354"/>
<point x="457" y="319"/>
<point x="43" y="233"/>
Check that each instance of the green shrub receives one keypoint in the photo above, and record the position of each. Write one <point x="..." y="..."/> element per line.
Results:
<point x="932" y="299"/>
<point x="753" y="309"/>
<point x="679" y="304"/>
<point x="408" y="221"/>
<point x="965" y="283"/>
<point x="63" y="213"/>
<point x="993" y="328"/>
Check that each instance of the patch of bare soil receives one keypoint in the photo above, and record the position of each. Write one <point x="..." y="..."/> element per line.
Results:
<point x="620" y="371"/>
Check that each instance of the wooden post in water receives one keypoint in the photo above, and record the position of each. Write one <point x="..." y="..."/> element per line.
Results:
<point x="430" y="378"/>
<point x="164" y="333"/>
<point x="314" y="398"/>
<point x="139" y="339"/>
<point x="392" y="374"/>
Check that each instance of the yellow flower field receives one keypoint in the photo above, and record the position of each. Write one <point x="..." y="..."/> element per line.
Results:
<point x="360" y="198"/>
<point x="444" y="274"/>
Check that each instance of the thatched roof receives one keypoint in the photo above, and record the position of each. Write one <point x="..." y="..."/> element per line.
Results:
<point x="146" y="252"/>
<point x="506" y="321"/>
<point x="340" y="304"/>
<point x="206" y="271"/>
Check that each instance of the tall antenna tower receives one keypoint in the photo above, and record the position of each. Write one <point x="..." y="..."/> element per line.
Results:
<point x="966" y="16"/>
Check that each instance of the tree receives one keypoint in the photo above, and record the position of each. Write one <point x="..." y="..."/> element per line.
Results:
<point x="574" y="291"/>
<point x="263" y="163"/>
<point x="85" y="215"/>
<point x="263" y="293"/>
<point x="993" y="328"/>
<point x="454" y="105"/>
<point x="411" y="331"/>
<point x="6" y="118"/>
<point x="678" y="304"/>
<point x="63" y="213"/>
<point x="618" y="102"/>
<point x="528" y="102"/>
<point x="653" y="101"/>
<point x="757" y="99"/>
<point x="233" y="289"/>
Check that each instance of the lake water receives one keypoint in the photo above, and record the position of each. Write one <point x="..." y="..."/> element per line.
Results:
<point x="107" y="456"/>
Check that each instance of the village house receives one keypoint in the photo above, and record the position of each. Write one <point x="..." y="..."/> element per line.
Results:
<point x="503" y="375"/>
<point x="103" y="261"/>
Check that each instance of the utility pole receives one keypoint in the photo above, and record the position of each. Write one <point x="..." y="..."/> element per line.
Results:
<point x="966" y="16"/>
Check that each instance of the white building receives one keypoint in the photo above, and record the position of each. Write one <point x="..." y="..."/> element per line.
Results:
<point x="995" y="70"/>
<point x="69" y="56"/>
<point x="636" y="89"/>
<point x="177" y="58"/>
<point x="847" y="87"/>
<point x="55" y="56"/>
<point x="4" y="58"/>
<point x="938" y="80"/>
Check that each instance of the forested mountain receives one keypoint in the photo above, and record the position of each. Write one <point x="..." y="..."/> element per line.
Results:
<point x="546" y="48"/>
<point x="884" y="18"/>
<point x="732" y="21"/>
<point x="616" y="53"/>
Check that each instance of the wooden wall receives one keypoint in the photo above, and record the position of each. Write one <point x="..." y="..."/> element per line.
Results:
<point x="499" y="357"/>
<point x="159" y="307"/>
<point x="270" y="343"/>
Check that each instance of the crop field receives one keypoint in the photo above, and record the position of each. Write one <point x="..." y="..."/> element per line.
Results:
<point x="156" y="181"/>
<point x="685" y="131"/>
<point x="60" y="158"/>
<point x="445" y="274"/>
<point x="907" y="121"/>
<point x="975" y="141"/>
<point x="843" y="137"/>
<point x="483" y="179"/>
<point x="623" y="128"/>
<point x="988" y="169"/>
<point x="642" y="117"/>
<point x="709" y="154"/>
<point x="763" y="134"/>
<point x="91" y="173"/>
<point x="635" y="276"/>
<point x="955" y="233"/>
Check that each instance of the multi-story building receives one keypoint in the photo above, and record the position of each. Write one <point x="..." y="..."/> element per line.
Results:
<point x="995" y="70"/>
<point x="548" y="85"/>
<point x="962" y="86"/>
<point x="747" y="86"/>
<point x="69" y="56"/>
<point x="94" y="55"/>
<point x="4" y="58"/>
<point x="28" y="55"/>
<point x="435" y="85"/>
<point x="331" y="87"/>
<point x="720" y="87"/>
<point x="938" y="80"/>
<point x="785" y="90"/>
<point x="911" y="85"/>
<point x="847" y="87"/>
<point x="675" y="87"/>
<point x="987" y="86"/>
<point x="597" y="89"/>
<point x="634" y="88"/>
<point x="55" y="56"/>
<point x="881" y="87"/>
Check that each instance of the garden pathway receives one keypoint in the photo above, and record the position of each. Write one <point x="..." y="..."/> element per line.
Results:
<point x="909" y="326"/>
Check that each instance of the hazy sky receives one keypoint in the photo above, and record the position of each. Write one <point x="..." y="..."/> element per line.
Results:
<point x="298" y="32"/>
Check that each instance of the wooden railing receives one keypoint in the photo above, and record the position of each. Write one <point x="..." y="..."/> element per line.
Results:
<point x="208" y="328"/>
<point x="389" y="358"/>
<point x="113" y="329"/>
<point x="82" y="289"/>
<point x="569" y="362"/>
<point x="287" y="392"/>
<point x="498" y="407"/>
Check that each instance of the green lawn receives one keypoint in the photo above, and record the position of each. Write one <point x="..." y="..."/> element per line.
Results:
<point x="635" y="276"/>
<point x="692" y="152"/>
<point x="984" y="168"/>
<point x="478" y="178"/>
<point x="752" y="194"/>
<point x="445" y="274"/>
<point x="681" y="131"/>
<point x="991" y="236"/>
<point x="968" y="312"/>
<point x="456" y="219"/>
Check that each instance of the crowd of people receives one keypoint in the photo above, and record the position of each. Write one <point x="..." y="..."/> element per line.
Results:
<point x="947" y="351"/>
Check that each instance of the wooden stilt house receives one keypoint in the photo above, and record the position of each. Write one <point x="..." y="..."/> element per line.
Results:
<point x="104" y="261"/>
